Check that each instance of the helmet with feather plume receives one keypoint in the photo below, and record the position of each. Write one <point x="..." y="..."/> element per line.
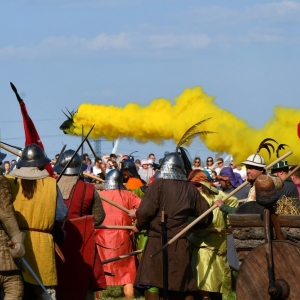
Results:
<point x="188" y="136"/>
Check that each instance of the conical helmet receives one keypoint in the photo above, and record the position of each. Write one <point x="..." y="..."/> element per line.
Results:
<point x="130" y="166"/>
<point x="172" y="167"/>
<point x="33" y="156"/>
<point x="75" y="167"/>
<point x="113" y="180"/>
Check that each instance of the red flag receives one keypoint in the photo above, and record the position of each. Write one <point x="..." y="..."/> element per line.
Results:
<point x="31" y="134"/>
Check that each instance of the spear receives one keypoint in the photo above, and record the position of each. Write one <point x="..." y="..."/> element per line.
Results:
<point x="94" y="153"/>
<point x="114" y="227"/>
<point x="93" y="176"/>
<point x="16" y="147"/>
<point x="67" y="165"/>
<point x="121" y="257"/>
<point x="9" y="150"/>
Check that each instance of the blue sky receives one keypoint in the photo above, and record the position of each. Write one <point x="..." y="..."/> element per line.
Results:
<point x="63" y="53"/>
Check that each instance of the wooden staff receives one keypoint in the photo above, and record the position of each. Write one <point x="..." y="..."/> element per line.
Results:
<point x="114" y="227"/>
<point x="9" y="150"/>
<point x="292" y="172"/>
<point x="121" y="257"/>
<point x="93" y="176"/>
<point x="187" y="228"/>
<point x="16" y="147"/>
<point x="183" y="231"/>
<point x="114" y="204"/>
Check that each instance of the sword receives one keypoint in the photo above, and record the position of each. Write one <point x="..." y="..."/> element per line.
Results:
<point x="23" y="260"/>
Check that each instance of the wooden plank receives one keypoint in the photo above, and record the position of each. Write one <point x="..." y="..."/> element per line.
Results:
<point x="255" y="220"/>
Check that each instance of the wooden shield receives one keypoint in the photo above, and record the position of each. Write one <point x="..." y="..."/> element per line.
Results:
<point x="253" y="280"/>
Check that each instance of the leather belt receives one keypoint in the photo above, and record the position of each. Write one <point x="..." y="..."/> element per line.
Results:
<point x="34" y="229"/>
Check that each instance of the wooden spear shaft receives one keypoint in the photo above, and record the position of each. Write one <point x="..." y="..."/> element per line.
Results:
<point x="114" y="227"/>
<point x="292" y="172"/>
<point x="10" y="150"/>
<point x="121" y="257"/>
<point x="93" y="176"/>
<point x="183" y="231"/>
<point x="114" y="204"/>
<point x="187" y="228"/>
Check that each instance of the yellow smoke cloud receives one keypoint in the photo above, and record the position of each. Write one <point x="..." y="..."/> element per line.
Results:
<point x="163" y="120"/>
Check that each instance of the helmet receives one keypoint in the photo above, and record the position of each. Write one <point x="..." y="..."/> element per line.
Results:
<point x="33" y="156"/>
<point x="255" y="160"/>
<point x="172" y="167"/>
<point x="130" y="166"/>
<point x="113" y="180"/>
<point x="75" y="167"/>
<point x="157" y="174"/>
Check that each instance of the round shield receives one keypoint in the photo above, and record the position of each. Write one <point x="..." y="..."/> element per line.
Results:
<point x="253" y="280"/>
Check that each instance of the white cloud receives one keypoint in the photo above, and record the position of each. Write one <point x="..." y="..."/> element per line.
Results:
<point x="53" y="46"/>
<point x="288" y="11"/>
<point x="177" y="41"/>
<point x="219" y="26"/>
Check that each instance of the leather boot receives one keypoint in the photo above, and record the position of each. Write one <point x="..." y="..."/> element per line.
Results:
<point x="151" y="296"/>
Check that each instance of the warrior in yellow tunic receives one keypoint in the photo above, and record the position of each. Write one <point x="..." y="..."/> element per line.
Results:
<point x="35" y="197"/>
<point x="209" y="261"/>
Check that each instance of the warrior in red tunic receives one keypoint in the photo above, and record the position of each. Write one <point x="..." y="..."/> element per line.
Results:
<point x="82" y="267"/>
<point x="111" y="242"/>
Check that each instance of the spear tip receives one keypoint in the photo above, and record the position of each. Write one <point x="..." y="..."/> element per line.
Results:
<point x="13" y="87"/>
<point x="16" y="92"/>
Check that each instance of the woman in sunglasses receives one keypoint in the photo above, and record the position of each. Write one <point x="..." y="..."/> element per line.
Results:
<point x="210" y="166"/>
<point x="197" y="163"/>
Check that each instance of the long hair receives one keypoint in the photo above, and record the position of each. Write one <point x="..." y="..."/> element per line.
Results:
<point x="28" y="188"/>
<point x="206" y="191"/>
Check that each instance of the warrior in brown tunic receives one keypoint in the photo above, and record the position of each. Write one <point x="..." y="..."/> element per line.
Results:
<point x="180" y="200"/>
<point x="10" y="236"/>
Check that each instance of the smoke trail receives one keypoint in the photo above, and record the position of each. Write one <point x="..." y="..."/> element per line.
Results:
<point x="163" y="120"/>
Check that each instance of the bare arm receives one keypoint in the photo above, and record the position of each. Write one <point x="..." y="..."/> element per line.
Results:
<point x="105" y="158"/>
